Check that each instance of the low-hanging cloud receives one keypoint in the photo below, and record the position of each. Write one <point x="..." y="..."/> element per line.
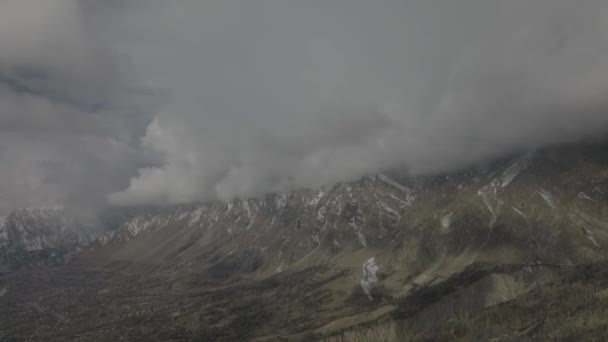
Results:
<point x="69" y="108"/>
<point x="268" y="95"/>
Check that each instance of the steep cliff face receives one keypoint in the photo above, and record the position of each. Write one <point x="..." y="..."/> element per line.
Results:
<point x="387" y="257"/>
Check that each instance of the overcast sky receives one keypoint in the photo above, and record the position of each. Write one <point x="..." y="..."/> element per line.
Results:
<point x="153" y="101"/>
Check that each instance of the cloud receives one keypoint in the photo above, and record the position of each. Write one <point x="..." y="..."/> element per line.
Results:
<point x="69" y="112"/>
<point x="267" y="95"/>
<point x="270" y="95"/>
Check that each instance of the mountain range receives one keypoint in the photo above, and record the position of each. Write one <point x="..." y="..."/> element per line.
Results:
<point x="513" y="249"/>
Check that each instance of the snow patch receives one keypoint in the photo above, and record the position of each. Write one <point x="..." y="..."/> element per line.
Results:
<point x="548" y="198"/>
<point x="362" y="239"/>
<point x="593" y="240"/>
<point x="195" y="217"/>
<point x="336" y="244"/>
<point x="386" y="179"/>
<point x="590" y="237"/>
<point x="584" y="196"/>
<point x="485" y="195"/>
<point x="183" y="216"/>
<point x="389" y="209"/>
<point x="489" y="193"/>
<point x="321" y="213"/>
<point x="446" y="221"/>
<point x="509" y="175"/>
<point x="105" y="238"/>
<point x="520" y="213"/>
<point x="314" y="201"/>
<point x="245" y="206"/>
<point x="316" y="238"/>
<point x="251" y="223"/>
<point x="232" y="228"/>
<point x="369" y="279"/>
<point x="280" y="200"/>
<point x="215" y="215"/>
<point x="251" y="217"/>
<point x="409" y="200"/>
<point x="138" y="225"/>
<point x="360" y="236"/>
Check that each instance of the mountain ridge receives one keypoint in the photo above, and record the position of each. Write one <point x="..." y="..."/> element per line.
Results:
<point x="374" y="258"/>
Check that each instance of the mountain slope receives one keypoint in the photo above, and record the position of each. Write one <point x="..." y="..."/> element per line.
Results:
<point x="43" y="237"/>
<point x="384" y="258"/>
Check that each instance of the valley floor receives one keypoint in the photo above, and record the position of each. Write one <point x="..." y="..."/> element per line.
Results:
<point x="124" y="302"/>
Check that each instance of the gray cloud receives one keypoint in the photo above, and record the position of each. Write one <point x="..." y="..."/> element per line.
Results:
<point x="70" y="108"/>
<point x="267" y="95"/>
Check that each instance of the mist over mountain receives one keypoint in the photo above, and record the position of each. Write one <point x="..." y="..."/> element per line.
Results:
<point x="313" y="170"/>
<point x="157" y="102"/>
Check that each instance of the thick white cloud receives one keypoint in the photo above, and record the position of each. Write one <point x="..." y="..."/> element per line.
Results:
<point x="267" y="95"/>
